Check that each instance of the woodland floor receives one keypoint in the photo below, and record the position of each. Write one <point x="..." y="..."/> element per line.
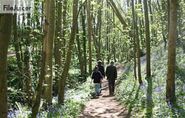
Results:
<point x="104" y="106"/>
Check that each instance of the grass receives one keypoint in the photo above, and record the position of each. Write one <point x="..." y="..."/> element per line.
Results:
<point x="148" y="100"/>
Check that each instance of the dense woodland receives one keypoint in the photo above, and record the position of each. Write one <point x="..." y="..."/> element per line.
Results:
<point x="46" y="56"/>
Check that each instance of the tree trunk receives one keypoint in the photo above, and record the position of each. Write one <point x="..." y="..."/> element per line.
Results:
<point x="69" y="53"/>
<point x="5" y="34"/>
<point x="83" y="16"/>
<point x="99" y="27"/>
<point x="117" y="12"/>
<point x="58" y="46"/>
<point x="27" y="71"/>
<point x="138" y="52"/>
<point x="49" y="39"/>
<point x="89" y="20"/>
<point x="147" y="32"/>
<point x="64" y="28"/>
<point x="16" y="44"/>
<point x="136" y="36"/>
<point x="36" y="105"/>
<point x="50" y="9"/>
<point x="61" y="81"/>
<point x="170" y="86"/>
<point x="79" y="52"/>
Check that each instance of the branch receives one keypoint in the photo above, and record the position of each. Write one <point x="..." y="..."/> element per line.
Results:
<point x="116" y="11"/>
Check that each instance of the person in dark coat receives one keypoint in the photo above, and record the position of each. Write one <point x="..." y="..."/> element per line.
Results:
<point x="97" y="78"/>
<point x="111" y="73"/>
<point x="102" y="70"/>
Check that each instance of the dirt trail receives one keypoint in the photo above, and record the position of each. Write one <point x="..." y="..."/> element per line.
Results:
<point x="104" y="107"/>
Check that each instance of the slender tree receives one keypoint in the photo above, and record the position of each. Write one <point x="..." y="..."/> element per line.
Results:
<point x="5" y="34"/>
<point x="79" y="52"/>
<point x="16" y="44"/>
<point x="69" y="53"/>
<point x="147" y="32"/>
<point x="83" y="17"/>
<point x="89" y="20"/>
<point x="137" y="44"/>
<point x="27" y="71"/>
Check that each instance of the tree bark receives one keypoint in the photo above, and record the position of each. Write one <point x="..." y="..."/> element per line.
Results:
<point x="138" y="52"/>
<point x="99" y="27"/>
<point x="49" y="40"/>
<point x="89" y="20"/>
<point x="83" y="16"/>
<point x="58" y="46"/>
<point x="64" y="28"/>
<point x="5" y="34"/>
<point x="170" y="86"/>
<point x="147" y="33"/>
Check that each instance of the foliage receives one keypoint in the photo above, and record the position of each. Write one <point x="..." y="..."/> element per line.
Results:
<point x="74" y="103"/>
<point x="148" y="100"/>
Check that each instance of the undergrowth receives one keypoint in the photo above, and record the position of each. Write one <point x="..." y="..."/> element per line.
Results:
<point x="149" y="99"/>
<point x="75" y="100"/>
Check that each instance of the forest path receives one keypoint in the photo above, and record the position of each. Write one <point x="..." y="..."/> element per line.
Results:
<point x="105" y="106"/>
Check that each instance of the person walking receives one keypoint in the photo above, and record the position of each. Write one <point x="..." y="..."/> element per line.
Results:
<point x="97" y="78"/>
<point x="102" y="70"/>
<point x="111" y="73"/>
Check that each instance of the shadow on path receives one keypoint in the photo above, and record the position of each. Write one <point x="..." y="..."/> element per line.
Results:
<point x="105" y="106"/>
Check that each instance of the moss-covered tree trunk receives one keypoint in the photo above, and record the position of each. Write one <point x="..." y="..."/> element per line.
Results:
<point x="5" y="33"/>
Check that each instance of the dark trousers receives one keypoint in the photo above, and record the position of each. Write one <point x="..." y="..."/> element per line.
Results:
<point x="111" y="86"/>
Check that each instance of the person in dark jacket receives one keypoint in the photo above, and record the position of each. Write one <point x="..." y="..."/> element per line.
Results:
<point x="97" y="78"/>
<point x="111" y="73"/>
<point x="102" y="70"/>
